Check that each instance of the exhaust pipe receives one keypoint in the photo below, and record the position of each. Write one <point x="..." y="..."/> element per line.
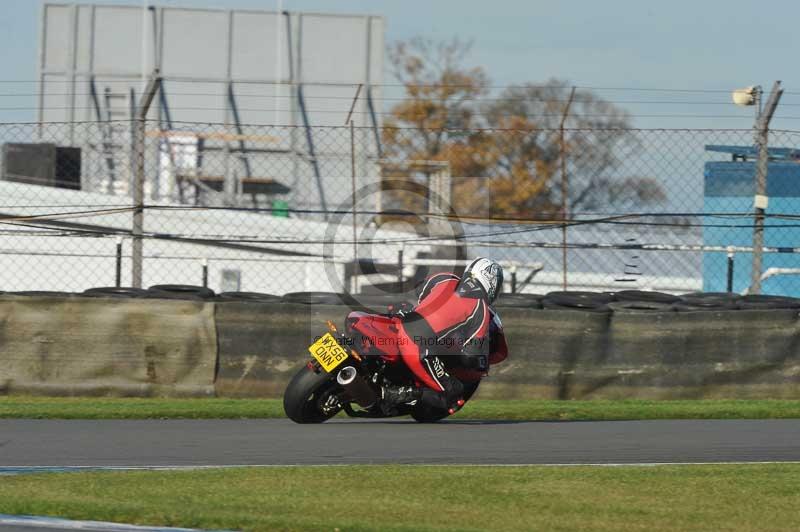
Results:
<point x="357" y="387"/>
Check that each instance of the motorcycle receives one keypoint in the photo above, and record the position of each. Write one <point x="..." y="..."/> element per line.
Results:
<point x="347" y="370"/>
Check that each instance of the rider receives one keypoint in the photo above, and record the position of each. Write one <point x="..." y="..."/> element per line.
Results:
<point x="452" y="317"/>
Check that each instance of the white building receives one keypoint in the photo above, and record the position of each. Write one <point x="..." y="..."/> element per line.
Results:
<point x="66" y="240"/>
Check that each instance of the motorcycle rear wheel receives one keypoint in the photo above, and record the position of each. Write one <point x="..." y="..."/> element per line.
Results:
<point x="306" y="393"/>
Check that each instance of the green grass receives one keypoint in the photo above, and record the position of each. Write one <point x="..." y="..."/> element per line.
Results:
<point x="137" y="408"/>
<point x="410" y="498"/>
<point x="216" y="408"/>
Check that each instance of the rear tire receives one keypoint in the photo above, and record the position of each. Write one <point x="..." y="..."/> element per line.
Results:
<point x="301" y="400"/>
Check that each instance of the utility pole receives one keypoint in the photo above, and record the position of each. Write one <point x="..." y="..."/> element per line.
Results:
<point x="761" y="200"/>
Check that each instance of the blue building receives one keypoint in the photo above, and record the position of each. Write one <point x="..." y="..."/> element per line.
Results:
<point x="730" y="189"/>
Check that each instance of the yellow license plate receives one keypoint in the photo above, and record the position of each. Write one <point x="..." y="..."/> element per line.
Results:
<point x="328" y="352"/>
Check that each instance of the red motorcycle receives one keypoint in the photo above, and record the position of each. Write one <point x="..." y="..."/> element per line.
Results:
<point x="347" y="370"/>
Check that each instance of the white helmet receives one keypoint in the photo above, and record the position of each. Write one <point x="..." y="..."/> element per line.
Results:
<point x="488" y="274"/>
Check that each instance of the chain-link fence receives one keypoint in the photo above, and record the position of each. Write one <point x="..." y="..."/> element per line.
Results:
<point x="283" y="209"/>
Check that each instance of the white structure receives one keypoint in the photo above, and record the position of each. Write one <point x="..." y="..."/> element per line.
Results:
<point x="226" y="74"/>
<point x="228" y="77"/>
<point x="47" y="245"/>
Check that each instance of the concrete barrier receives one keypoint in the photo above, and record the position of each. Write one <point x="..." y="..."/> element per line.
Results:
<point x="237" y="348"/>
<point x="555" y="353"/>
<point x="89" y="346"/>
<point x="262" y="345"/>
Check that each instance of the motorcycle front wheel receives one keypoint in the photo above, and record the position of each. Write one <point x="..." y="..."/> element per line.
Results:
<point x="310" y="397"/>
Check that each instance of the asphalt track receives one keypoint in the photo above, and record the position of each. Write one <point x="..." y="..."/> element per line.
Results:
<point x="26" y="444"/>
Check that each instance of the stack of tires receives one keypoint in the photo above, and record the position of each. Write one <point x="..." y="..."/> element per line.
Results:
<point x="645" y="301"/>
<point x="162" y="291"/>
<point x="375" y="303"/>
<point x="622" y="301"/>
<point x="177" y="291"/>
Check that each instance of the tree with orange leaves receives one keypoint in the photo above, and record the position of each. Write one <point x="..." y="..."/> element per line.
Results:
<point x="505" y="152"/>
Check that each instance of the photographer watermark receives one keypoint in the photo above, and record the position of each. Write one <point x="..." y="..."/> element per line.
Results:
<point x="387" y="238"/>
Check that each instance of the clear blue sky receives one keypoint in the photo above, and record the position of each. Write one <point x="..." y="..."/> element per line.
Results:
<point x="680" y="44"/>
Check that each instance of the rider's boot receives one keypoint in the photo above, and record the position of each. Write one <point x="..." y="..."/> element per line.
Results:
<point x="394" y="396"/>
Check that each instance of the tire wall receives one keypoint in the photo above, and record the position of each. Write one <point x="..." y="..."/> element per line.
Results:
<point x="88" y="346"/>
<point x="63" y="346"/>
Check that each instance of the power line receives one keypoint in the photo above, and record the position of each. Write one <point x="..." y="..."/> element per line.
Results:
<point x="177" y="79"/>
<point x="105" y="210"/>
<point x="619" y="115"/>
<point x="487" y="129"/>
<point x="240" y="239"/>
<point x="349" y="98"/>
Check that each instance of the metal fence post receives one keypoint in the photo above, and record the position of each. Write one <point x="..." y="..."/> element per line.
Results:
<point x="562" y="146"/>
<point x="118" y="276"/>
<point x="730" y="269"/>
<point x="356" y="266"/>
<point x="400" y="271"/>
<point x="513" y="279"/>
<point x="761" y="200"/>
<point x="138" y="182"/>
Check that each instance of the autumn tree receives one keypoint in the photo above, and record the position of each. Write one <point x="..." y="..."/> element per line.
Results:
<point x="504" y="151"/>
<point x="440" y="97"/>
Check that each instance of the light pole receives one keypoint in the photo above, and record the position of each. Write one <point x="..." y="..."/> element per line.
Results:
<point x="752" y="96"/>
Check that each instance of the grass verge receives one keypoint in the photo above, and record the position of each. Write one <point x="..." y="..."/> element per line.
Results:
<point x="218" y="408"/>
<point x="405" y="498"/>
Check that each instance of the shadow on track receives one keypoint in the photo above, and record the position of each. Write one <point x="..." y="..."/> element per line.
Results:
<point x="437" y="423"/>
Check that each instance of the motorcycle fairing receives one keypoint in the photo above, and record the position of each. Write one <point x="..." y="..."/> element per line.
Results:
<point x="378" y="334"/>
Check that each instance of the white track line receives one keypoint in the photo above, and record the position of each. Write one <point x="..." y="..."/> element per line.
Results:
<point x="17" y="470"/>
<point x="61" y="524"/>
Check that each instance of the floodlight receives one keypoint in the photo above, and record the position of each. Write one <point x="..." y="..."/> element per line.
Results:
<point x="745" y="96"/>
